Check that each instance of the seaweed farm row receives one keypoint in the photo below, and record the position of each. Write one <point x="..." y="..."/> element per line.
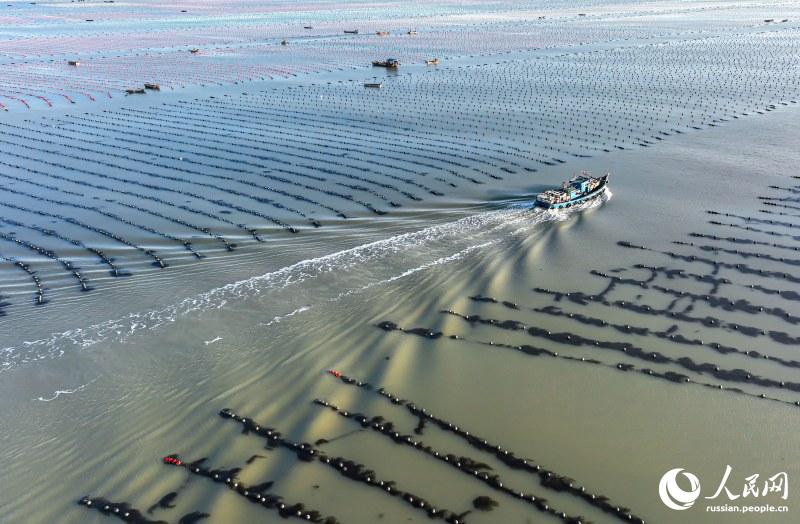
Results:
<point x="249" y="275"/>
<point x="90" y="65"/>
<point x="637" y="320"/>
<point x="484" y="467"/>
<point x="743" y="300"/>
<point x="129" y="188"/>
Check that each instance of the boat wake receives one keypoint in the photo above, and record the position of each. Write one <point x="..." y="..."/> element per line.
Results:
<point x="432" y="246"/>
<point x="60" y="392"/>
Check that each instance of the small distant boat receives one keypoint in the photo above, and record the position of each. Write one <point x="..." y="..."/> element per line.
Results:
<point x="412" y="32"/>
<point x="581" y="188"/>
<point x="432" y="61"/>
<point x="284" y="42"/>
<point x="390" y="63"/>
<point x="377" y="85"/>
<point x="382" y="33"/>
<point x="351" y="31"/>
<point x="308" y="27"/>
<point x="135" y="91"/>
<point x="152" y="87"/>
<point x="768" y="20"/>
<point x="74" y="63"/>
<point x="194" y="51"/>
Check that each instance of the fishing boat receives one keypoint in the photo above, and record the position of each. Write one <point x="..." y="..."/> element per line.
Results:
<point x="390" y="63"/>
<point x="74" y="63"/>
<point x="153" y="87"/>
<point x="382" y="33"/>
<point x="284" y="42"/>
<point x="582" y="188"/>
<point x="412" y="32"/>
<point x="194" y="51"/>
<point x="432" y="61"/>
<point x="351" y="31"/>
<point x="135" y="91"/>
<point x="376" y="85"/>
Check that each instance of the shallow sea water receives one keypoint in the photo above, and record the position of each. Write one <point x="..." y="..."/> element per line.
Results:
<point x="96" y="387"/>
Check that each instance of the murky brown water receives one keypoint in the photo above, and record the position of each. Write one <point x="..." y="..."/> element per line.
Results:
<point x="471" y="290"/>
<point x="265" y="353"/>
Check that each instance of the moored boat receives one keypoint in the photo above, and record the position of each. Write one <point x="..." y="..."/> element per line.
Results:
<point x="582" y="188"/>
<point x="432" y="61"/>
<point x="389" y="62"/>
<point x="376" y="85"/>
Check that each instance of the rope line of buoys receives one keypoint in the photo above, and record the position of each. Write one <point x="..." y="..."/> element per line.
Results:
<point x="255" y="494"/>
<point x="462" y="463"/>
<point x="37" y="282"/>
<point x="752" y="229"/>
<point x="757" y="220"/>
<point x="115" y="270"/>
<point x="121" y="510"/>
<point x="157" y="260"/>
<point x="109" y="189"/>
<point x="739" y="253"/>
<point x="547" y="478"/>
<point x="229" y="246"/>
<point x="748" y="241"/>
<point x="255" y="140"/>
<point x="716" y="264"/>
<point x="533" y="351"/>
<point x="710" y="300"/>
<point x="671" y="334"/>
<point x="271" y="189"/>
<point x="187" y="245"/>
<point x="630" y="350"/>
<point x="68" y="266"/>
<point x="345" y="467"/>
<point x="158" y="165"/>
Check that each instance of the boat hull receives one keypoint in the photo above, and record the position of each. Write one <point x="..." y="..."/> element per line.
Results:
<point x="596" y="193"/>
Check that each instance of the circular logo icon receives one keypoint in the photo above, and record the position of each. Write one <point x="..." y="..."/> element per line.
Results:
<point x="672" y="495"/>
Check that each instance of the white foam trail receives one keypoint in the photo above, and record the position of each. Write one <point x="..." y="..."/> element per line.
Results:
<point x="213" y="340"/>
<point x="277" y="319"/>
<point x="120" y="329"/>
<point x="60" y="392"/>
<point x="438" y="262"/>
